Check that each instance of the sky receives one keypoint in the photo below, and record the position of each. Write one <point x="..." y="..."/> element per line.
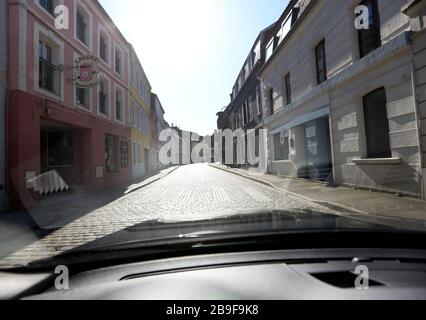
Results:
<point x="192" y="50"/>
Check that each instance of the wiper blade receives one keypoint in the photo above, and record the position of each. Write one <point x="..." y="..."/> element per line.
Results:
<point x="195" y="243"/>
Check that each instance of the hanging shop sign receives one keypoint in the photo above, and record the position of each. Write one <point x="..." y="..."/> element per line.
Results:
<point x="87" y="72"/>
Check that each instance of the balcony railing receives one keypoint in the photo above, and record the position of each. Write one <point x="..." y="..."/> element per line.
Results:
<point x="47" y="76"/>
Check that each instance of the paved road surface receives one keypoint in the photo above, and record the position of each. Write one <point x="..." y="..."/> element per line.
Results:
<point x="189" y="193"/>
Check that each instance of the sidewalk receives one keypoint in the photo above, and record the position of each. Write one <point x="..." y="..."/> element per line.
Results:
<point x="61" y="210"/>
<point x="341" y="198"/>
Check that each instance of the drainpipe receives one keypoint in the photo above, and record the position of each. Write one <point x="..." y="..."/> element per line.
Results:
<point x="419" y="133"/>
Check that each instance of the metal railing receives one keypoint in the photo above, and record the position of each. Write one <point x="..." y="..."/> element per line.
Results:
<point x="47" y="75"/>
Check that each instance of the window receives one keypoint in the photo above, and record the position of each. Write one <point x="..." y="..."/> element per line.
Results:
<point x="295" y="15"/>
<point x="271" y="100"/>
<point x="139" y="153"/>
<point x="370" y="39"/>
<point x="83" y="97"/>
<point x="60" y="149"/>
<point x="47" y="5"/>
<point x="257" y="52"/>
<point x="259" y="100"/>
<point x="281" y="147"/>
<point x="82" y="25"/>
<point x="46" y="68"/>
<point x="103" y="47"/>
<point x="103" y="98"/>
<point x="134" y="154"/>
<point x="251" y="102"/>
<point x="321" y="62"/>
<point x="140" y="120"/>
<point x="124" y="154"/>
<point x="288" y="88"/>
<point x="276" y="42"/>
<point x="118" y="61"/>
<point x="119" y="105"/>
<point x="243" y="119"/>
<point x="110" y="154"/>
<point x="269" y="49"/>
<point x="377" y="125"/>
<point x="246" y="106"/>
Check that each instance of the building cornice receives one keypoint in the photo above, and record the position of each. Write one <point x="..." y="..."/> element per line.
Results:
<point x="378" y="56"/>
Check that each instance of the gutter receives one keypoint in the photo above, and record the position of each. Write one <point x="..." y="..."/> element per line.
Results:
<point x="413" y="7"/>
<point x="336" y="208"/>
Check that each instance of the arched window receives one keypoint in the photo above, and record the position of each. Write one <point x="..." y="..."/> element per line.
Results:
<point x="377" y="124"/>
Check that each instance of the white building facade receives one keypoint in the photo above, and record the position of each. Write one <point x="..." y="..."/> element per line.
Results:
<point x="340" y="101"/>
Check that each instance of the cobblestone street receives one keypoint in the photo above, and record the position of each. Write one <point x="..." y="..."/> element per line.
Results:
<point x="189" y="193"/>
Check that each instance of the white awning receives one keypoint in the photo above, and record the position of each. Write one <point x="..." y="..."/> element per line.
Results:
<point x="319" y="113"/>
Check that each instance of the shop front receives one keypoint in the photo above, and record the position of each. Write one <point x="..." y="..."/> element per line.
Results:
<point x="301" y="147"/>
<point x="53" y="149"/>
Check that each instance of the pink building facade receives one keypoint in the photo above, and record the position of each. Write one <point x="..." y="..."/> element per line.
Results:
<point x="53" y="124"/>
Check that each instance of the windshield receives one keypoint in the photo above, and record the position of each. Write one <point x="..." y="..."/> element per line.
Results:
<point x="135" y="122"/>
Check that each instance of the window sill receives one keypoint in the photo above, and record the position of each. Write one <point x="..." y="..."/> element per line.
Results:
<point x="84" y="107"/>
<point x="282" y="161"/>
<point x="82" y="43"/>
<point x="378" y="161"/>
<point x="50" y="15"/>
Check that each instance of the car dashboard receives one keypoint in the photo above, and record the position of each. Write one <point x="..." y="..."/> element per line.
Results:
<point x="261" y="275"/>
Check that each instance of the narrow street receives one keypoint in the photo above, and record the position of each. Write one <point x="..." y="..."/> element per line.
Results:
<point x="188" y="193"/>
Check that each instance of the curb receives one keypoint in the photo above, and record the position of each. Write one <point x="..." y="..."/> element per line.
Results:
<point x="151" y="182"/>
<point x="329" y="205"/>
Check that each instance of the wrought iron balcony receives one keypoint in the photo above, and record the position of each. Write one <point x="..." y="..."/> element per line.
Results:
<point x="47" y="79"/>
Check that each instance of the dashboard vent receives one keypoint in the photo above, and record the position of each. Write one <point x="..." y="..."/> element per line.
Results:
<point x="342" y="280"/>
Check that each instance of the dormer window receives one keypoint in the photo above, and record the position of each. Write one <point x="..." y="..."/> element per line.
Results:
<point x="269" y="49"/>
<point x="294" y="15"/>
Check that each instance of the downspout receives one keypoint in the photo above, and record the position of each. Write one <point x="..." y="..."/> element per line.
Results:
<point x="418" y="121"/>
<point x="6" y="109"/>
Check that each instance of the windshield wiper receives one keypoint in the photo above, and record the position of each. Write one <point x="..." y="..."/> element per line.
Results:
<point x="290" y="229"/>
<point x="199" y="244"/>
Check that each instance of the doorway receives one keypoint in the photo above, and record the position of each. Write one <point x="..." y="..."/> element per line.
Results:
<point x="319" y="160"/>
